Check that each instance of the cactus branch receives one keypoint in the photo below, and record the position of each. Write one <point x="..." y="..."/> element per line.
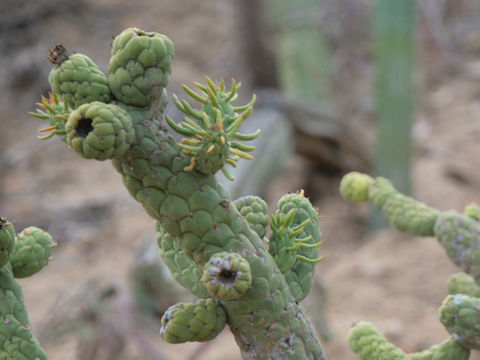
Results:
<point x="213" y="246"/>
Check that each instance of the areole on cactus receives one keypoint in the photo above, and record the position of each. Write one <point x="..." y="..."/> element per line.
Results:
<point x="214" y="246"/>
<point x="459" y="234"/>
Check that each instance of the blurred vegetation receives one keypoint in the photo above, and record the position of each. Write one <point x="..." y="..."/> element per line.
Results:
<point x="394" y="42"/>
<point x="372" y="59"/>
<point x="302" y="54"/>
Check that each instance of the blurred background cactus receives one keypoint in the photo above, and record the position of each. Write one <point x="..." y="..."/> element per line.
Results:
<point x="395" y="53"/>
<point x="239" y="39"/>
<point x="459" y="234"/>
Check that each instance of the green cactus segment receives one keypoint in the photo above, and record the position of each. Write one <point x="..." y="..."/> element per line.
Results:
<point x="195" y="210"/>
<point x="33" y="250"/>
<point x="212" y="133"/>
<point x="403" y="212"/>
<point x="380" y="191"/>
<point x="140" y="66"/>
<point x="199" y="321"/>
<point x="255" y="211"/>
<point x="199" y="217"/>
<point x="447" y="350"/>
<point x="7" y="240"/>
<point x="182" y="268"/>
<point x="354" y="186"/>
<point x="16" y="338"/>
<point x="227" y="276"/>
<point x="77" y="79"/>
<point x="56" y="112"/>
<point x="99" y="131"/>
<point x="462" y="283"/>
<point x="365" y="340"/>
<point x="472" y="210"/>
<point x="460" y="236"/>
<point x="294" y="242"/>
<point x="459" y="315"/>
<point x="26" y="254"/>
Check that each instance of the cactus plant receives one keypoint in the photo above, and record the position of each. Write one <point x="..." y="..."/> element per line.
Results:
<point x="21" y="255"/>
<point x="394" y="36"/>
<point x="214" y="246"/>
<point x="459" y="234"/>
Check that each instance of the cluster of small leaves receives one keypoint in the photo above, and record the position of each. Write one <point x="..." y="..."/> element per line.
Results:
<point x="285" y="240"/>
<point x="56" y="112"/>
<point x="215" y="126"/>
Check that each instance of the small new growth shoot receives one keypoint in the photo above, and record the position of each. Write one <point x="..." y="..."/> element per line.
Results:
<point x="212" y="132"/>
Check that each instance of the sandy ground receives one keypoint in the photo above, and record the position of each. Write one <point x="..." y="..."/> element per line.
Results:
<point x="394" y="280"/>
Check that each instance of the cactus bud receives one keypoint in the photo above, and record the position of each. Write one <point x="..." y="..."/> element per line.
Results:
<point x="99" y="131"/>
<point x="227" y="276"/>
<point x="200" y="321"/>
<point x="354" y="186"/>
<point x="140" y="66"/>
<point x="32" y="252"/>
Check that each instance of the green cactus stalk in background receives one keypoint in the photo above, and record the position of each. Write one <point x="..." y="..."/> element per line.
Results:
<point x="215" y="247"/>
<point x="21" y="255"/>
<point x="394" y="41"/>
<point x="459" y="234"/>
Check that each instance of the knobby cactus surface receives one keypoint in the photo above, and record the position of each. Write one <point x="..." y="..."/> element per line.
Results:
<point x="459" y="234"/>
<point x="214" y="246"/>
<point x="21" y="255"/>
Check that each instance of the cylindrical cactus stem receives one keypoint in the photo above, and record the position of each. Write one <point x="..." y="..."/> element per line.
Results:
<point x="365" y="340"/>
<point x="25" y="254"/>
<point x="16" y="338"/>
<point x="182" y="268"/>
<point x="199" y="321"/>
<point x="194" y="209"/>
<point x="462" y="283"/>
<point x="460" y="315"/>
<point x="227" y="276"/>
<point x="255" y="211"/>
<point x="76" y="78"/>
<point x="447" y="350"/>
<point x="7" y="240"/>
<point x="403" y="212"/>
<point x="369" y="343"/>
<point x="198" y="214"/>
<point x="460" y="236"/>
